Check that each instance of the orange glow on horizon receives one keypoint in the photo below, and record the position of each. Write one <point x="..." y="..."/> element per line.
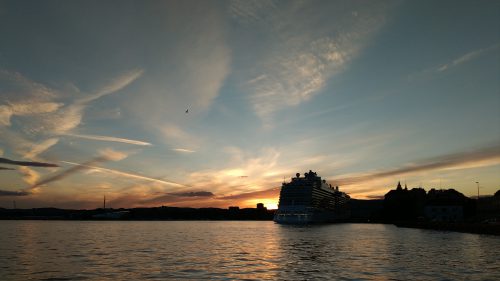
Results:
<point x="269" y="203"/>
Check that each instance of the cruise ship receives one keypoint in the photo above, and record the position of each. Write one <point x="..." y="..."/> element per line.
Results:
<point x="310" y="199"/>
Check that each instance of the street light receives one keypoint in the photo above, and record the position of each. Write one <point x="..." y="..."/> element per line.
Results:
<point x="477" y="190"/>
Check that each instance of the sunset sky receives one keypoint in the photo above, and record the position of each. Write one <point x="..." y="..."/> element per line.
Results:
<point x="214" y="103"/>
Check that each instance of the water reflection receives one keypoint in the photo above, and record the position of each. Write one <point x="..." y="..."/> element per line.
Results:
<point x="380" y="252"/>
<point x="240" y="250"/>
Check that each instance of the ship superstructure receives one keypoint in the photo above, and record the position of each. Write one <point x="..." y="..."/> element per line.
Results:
<point x="310" y="199"/>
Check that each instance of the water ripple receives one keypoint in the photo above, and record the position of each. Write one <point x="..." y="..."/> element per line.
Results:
<point x="71" y="250"/>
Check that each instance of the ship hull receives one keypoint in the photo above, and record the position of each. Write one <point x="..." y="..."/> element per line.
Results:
<point x="310" y="199"/>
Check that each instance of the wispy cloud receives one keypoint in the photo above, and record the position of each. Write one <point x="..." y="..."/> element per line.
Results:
<point x="175" y="135"/>
<point x="106" y="138"/>
<point x="22" y="144"/>
<point x="112" y="154"/>
<point x="69" y="117"/>
<point x="269" y="197"/>
<point x="175" y="132"/>
<point x="49" y="117"/>
<point x="296" y="76"/>
<point x="252" y="11"/>
<point x="38" y="148"/>
<point x="30" y="176"/>
<point x="255" y="171"/>
<point x="466" y="57"/>
<point x="25" y="108"/>
<point x="20" y="84"/>
<point x="305" y="57"/>
<point x="24" y="97"/>
<point x="15" y="142"/>
<point x="191" y="75"/>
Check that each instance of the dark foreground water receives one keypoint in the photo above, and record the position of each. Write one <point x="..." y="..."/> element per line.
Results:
<point x="162" y="250"/>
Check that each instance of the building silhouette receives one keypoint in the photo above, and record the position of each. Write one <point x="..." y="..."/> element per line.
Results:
<point x="402" y="204"/>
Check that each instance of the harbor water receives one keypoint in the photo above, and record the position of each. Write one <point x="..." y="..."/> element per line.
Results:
<point x="234" y="250"/>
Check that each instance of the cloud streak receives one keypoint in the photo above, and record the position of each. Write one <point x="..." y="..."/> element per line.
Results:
<point x="114" y="85"/>
<point x="13" y="193"/>
<point x="272" y="192"/>
<point x="106" y="155"/>
<point x="193" y="194"/>
<point x="125" y="174"/>
<point x="183" y="150"/>
<point x="27" y="163"/>
<point x="6" y="169"/>
<point x="69" y="172"/>
<point x="111" y="139"/>
<point x="467" y="57"/>
<point x="486" y="156"/>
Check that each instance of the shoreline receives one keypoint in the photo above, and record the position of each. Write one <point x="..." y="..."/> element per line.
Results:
<point x="474" y="228"/>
